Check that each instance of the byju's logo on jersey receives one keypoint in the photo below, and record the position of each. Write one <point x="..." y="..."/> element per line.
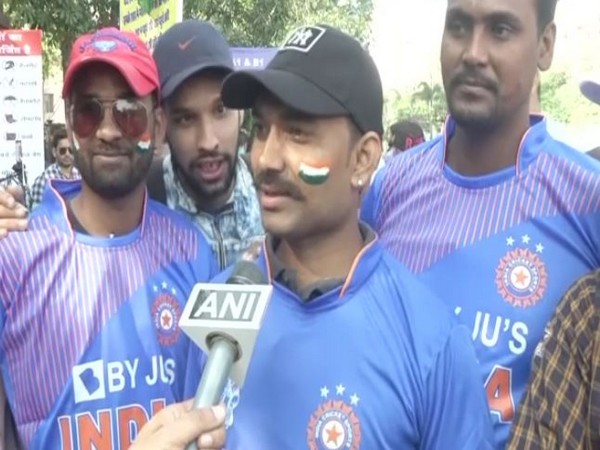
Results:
<point x="88" y="381"/>
<point x="303" y="39"/>
<point x="521" y="276"/>
<point x="334" y="425"/>
<point x="166" y="312"/>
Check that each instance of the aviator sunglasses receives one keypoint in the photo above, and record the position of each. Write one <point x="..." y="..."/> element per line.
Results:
<point x="62" y="151"/>
<point x="130" y="115"/>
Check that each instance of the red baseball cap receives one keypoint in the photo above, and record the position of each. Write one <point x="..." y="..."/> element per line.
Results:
<point x="123" y="50"/>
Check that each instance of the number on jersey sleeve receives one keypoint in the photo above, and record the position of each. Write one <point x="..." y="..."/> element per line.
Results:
<point x="498" y="388"/>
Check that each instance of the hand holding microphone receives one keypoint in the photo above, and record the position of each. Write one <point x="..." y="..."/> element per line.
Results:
<point x="178" y="424"/>
<point x="224" y="320"/>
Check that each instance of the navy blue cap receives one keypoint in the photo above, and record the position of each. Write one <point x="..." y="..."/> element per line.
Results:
<point x="591" y="89"/>
<point x="187" y="48"/>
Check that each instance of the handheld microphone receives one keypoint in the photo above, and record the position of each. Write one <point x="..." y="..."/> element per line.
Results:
<point x="224" y="320"/>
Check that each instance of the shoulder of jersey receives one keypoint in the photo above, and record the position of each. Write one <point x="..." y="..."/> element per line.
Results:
<point x="178" y="219"/>
<point x="414" y="309"/>
<point x="415" y="294"/>
<point x="560" y="149"/>
<point x="414" y="155"/>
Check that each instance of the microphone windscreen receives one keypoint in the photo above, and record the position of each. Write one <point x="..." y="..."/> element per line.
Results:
<point x="246" y="272"/>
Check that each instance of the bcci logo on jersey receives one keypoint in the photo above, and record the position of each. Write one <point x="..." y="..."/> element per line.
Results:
<point x="166" y="312"/>
<point x="334" y="425"/>
<point x="521" y="276"/>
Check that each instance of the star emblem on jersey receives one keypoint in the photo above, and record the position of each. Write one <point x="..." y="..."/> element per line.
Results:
<point x="334" y="424"/>
<point x="166" y="312"/>
<point x="521" y="276"/>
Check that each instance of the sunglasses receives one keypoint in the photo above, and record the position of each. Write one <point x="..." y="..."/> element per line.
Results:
<point x="129" y="115"/>
<point x="62" y="151"/>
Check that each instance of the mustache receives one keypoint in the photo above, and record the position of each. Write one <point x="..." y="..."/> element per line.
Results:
<point x="111" y="150"/>
<point x="474" y="78"/>
<point x="273" y="181"/>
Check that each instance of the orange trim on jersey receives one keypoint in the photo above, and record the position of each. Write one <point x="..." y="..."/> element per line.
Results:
<point x="522" y="147"/>
<point x="355" y="265"/>
<point x="267" y="262"/>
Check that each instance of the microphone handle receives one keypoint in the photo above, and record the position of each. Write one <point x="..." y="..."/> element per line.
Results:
<point x="216" y="372"/>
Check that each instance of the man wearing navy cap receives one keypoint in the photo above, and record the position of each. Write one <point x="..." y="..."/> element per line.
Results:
<point x="204" y="177"/>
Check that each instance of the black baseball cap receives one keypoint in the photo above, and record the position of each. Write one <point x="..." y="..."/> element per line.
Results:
<point x="187" y="48"/>
<point x="319" y="71"/>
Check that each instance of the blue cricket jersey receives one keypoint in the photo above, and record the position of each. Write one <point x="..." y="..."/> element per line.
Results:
<point x="377" y="364"/>
<point x="90" y="346"/>
<point x="499" y="249"/>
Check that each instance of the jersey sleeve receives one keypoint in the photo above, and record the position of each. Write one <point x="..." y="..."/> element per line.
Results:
<point x="10" y="265"/>
<point x="372" y="198"/>
<point x="456" y="413"/>
<point x="37" y="191"/>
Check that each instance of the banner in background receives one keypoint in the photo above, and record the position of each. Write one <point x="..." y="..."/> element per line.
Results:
<point x="252" y="58"/>
<point x="149" y="18"/>
<point x="21" y="96"/>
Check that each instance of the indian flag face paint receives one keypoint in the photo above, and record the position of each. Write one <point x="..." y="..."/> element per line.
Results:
<point x="145" y="143"/>
<point x="313" y="174"/>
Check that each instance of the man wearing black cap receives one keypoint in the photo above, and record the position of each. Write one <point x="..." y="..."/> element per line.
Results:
<point x="353" y="353"/>
<point x="203" y="177"/>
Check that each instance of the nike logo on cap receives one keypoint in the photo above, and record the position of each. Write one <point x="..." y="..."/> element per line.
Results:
<point x="184" y="45"/>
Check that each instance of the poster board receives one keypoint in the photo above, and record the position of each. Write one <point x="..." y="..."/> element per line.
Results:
<point x="248" y="58"/>
<point x="21" y="96"/>
<point x="149" y="18"/>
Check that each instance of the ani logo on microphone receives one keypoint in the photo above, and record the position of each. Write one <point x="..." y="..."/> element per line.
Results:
<point x="521" y="276"/>
<point x="166" y="312"/>
<point x="334" y="425"/>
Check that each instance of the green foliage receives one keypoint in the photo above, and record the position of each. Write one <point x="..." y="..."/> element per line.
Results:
<point x="562" y="100"/>
<point x="263" y="23"/>
<point x="425" y="104"/>
<point x="551" y="102"/>
<point x="244" y="22"/>
<point x="62" y="21"/>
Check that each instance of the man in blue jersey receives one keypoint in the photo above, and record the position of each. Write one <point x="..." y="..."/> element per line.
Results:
<point x="203" y="177"/>
<point x="495" y="215"/>
<point x="560" y="408"/>
<point x="91" y="294"/>
<point x="354" y="352"/>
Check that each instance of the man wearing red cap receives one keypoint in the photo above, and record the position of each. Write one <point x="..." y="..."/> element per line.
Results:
<point x="91" y="294"/>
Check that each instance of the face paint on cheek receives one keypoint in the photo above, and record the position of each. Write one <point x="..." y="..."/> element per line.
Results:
<point x="313" y="174"/>
<point x="145" y="143"/>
